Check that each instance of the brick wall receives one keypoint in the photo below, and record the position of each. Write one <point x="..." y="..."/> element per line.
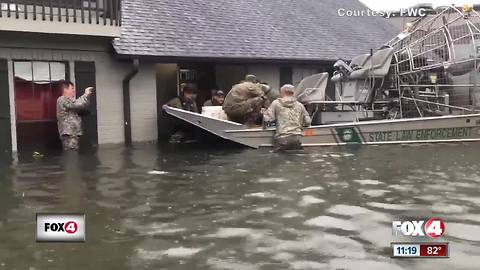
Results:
<point x="109" y="76"/>
<point x="143" y="100"/>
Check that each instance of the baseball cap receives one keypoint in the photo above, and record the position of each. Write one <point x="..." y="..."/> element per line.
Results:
<point x="218" y="93"/>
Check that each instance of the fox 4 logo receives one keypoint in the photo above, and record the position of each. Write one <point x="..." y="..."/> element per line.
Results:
<point x="70" y="227"/>
<point x="433" y="228"/>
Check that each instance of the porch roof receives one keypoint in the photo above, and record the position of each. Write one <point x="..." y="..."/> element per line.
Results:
<point x="282" y="30"/>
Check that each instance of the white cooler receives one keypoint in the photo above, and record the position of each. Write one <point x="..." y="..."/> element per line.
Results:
<point x="214" y="112"/>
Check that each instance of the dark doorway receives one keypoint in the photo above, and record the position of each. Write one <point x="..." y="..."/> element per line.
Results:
<point x="85" y="77"/>
<point x="5" y="131"/>
<point x="36" y="92"/>
<point x="201" y="75"/>
<point x="286" y="75"/>
<point x="167" y="88"/>
<point x="169" y="79"/>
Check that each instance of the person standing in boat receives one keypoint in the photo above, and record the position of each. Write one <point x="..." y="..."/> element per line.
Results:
<point x="186" y="100"/>
<point x="218" y="97"/>
<point x="268" y="91"/>
<point x="290" y="117"/>
<point x="243" y="104"/>
<point x="181" y="131"/>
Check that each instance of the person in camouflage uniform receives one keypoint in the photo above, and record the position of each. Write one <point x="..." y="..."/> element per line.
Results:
<point x="268" y="91"/>
<point x="250" y="78"/>
<point x="243" y="104"/>
<point x="187" y="98"/>
<point x="290" y="117"/>
<point x="218" y="97"/>
<point x="68" y="119"/>
<point x="181" y="131"/>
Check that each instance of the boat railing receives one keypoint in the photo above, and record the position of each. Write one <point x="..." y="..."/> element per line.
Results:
<point x="440" y="104"/>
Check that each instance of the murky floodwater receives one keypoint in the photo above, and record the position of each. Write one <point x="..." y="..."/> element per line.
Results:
<point x="324" y="208"/>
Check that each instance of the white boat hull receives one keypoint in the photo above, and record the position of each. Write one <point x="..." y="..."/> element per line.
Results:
<point x="454" y="128"/>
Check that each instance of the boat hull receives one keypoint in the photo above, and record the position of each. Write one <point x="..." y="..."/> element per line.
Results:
<point x="458" y="128"/>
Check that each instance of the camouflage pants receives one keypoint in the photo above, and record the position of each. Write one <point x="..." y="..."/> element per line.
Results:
<point x="291" y="142"/>
<point x="69" y="142"/>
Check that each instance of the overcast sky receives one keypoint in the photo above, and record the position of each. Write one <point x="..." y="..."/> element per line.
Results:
<point x="394" y="5"/>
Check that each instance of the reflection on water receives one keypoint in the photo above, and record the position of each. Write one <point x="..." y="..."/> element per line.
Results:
<point x="324" y="208"/>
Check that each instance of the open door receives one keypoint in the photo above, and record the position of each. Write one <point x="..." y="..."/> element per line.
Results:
<point x="36" y="92"/>
<point x="85" y="77"/>
<point x="5" y="131"/>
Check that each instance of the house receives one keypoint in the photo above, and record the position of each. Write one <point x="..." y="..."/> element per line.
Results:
<point x="137" y="52"/>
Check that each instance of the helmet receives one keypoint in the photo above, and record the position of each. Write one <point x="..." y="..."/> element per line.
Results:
<point x="251" y="78"/>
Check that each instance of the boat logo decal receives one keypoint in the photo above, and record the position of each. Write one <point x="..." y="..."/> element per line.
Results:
<point x="348" y="135"/>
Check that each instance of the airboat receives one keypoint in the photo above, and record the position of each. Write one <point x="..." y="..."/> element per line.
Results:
<point x="420" y="87"/>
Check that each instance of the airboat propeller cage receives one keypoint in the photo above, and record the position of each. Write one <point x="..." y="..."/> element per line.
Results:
<point x="445" y="44"/>
<point x="429" y="69"/>
<point x="312" y="88"/>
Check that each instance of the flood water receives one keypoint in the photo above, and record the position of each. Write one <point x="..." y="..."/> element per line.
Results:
<point x="194" y="208"/>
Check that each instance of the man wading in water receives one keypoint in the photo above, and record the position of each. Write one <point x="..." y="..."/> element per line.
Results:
<point x="291" y="117"/>
<point x="69" y="120"/>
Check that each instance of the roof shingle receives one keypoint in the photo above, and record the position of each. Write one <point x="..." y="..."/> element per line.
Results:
<point x="249" y="29"/>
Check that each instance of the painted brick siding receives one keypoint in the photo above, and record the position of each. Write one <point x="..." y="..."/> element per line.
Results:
<point x="143" y="102"/>
<point x="109" y="76"/>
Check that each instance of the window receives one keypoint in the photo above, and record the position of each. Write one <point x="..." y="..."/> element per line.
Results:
<point x="36" y="89"/>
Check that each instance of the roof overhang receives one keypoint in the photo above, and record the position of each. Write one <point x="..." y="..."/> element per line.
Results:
<point x="231" y="60"/>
